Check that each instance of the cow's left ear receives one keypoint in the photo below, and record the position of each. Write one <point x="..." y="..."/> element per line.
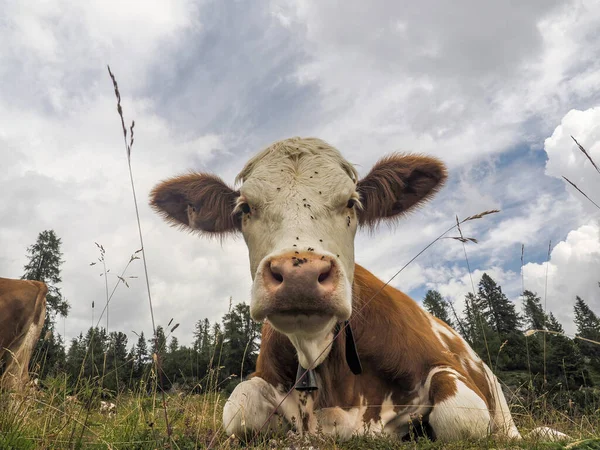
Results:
<point x="396" y="184"/>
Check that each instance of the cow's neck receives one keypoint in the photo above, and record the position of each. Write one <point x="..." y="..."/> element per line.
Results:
<point x="312" y="350"/>
<point x="306" y="379"/>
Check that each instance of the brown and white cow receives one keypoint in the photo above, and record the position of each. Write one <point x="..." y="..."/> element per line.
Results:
<point x="298" y="208"/>
<point x="22" y="315"/>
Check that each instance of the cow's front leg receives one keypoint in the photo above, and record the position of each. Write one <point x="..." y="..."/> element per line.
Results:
<point x="458" y="411"/>
<point x="255" y="405"/>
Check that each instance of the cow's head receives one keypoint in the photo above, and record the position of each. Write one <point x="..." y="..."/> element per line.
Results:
<point x="298" y="208"/>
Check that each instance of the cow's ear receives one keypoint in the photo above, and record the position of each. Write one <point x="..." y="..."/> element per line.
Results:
<point x="396" y="184"/>
<point x="198" y="202"/>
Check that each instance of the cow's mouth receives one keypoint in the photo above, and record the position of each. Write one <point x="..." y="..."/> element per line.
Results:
<point x="306" y="322"/>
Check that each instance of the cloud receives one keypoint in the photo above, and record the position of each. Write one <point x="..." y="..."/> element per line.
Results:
<point x="573" y="269"/>
<point x="414" y="77"/>
<point x="566" y="160"/>
<point x="210" y="83"/>
<point x="574" y="265"/>
<point x="76" y="182"/>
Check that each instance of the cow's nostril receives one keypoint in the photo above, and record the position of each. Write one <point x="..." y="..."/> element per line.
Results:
<point x="275" y="272"/>
<point x="278" y="277"/>
<point x="324" y="275"/>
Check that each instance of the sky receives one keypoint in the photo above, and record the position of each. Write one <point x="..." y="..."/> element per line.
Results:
<point x="494" y="89"/>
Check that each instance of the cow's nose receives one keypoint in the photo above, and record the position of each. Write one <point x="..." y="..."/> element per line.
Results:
<point x="309" y="273"/>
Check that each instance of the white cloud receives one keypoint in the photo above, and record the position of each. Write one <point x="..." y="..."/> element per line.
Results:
<point x="438" y="86"/>
<point x="574" y="266"/>
<point x="72" y="176"/>
<point x="68" y="40"/>
<point x="565" y="158"/>
<point x="209" y="84"/>
<point x="573" y="269"/>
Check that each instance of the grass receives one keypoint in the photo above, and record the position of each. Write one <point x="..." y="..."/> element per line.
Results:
<point x="52" y="418"/>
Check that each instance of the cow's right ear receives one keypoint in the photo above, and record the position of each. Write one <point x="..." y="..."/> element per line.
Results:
<point x="197" y="201"/>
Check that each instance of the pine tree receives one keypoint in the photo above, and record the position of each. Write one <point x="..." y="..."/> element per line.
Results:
<point x="173" y="345"/>
<point x="203" y="348"/>
<point x="554" y="325"/>
<point x="44" y="265"/>
<point x="75" y="357"/>
<point x="207" y="345"/>
<point x="500" y="312"/>
<point x="49" y="356"/>
<point x="565" y="363"/>
<point x="158" y="344"/>
<point x="117" y="373"/>
<point x="216" y="343"/>
<point x="474" y="323"/>
<point x="141" y="356"/>
<point x="437" y="306"/>
<point x="94" y="345"/>
<point x="216" y="337"/>
<point x="240" y="341"/>
<point x="506" y="342"/>
<point x="534" y="315"/>
<point x="491" y="325"/>
<point x="588" y="327"/>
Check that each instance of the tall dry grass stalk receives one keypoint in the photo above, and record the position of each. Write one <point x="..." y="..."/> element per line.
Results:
<point x="532" y="332"/>
<point x="589" y="157"/>
<point x="464" y="240"/>
<point x="128" y="146"/>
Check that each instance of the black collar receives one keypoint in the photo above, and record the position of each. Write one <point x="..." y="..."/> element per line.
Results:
<point x="308" y="382"/>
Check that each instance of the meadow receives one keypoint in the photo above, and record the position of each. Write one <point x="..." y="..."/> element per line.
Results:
<point x="53" y="416"/>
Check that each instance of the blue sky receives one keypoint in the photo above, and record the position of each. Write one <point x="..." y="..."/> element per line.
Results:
<point x="494" y="90"/>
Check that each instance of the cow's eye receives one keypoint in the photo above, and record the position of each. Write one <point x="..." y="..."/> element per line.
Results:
<point x="245" y="207"/>
<point x="351" y="203"/>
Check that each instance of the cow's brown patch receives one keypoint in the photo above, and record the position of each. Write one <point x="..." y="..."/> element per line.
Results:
<point x="22" y="315"/>
<point x="443" y="386"/>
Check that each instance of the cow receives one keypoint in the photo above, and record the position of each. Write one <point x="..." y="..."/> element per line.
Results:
<point x="371" y="359"/>
<point x="108" y="408"/>
<point x="22" y="315"/>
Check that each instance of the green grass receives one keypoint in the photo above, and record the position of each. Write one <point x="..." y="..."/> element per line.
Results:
<point x="49" y="419"/>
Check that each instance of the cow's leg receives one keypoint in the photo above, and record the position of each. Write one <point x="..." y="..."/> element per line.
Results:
<point x="255" y="405"/>
<point x="458" y="411"/>
<point x="15" y="375"/>
<point x="341" y="423"/>
<point x="18" y="353"/>
<point x="503" y="424"/>
<point x="18" y="356"/>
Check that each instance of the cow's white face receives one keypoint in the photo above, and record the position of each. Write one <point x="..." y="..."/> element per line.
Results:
<point x="302" y="201"/>
<point x="298" y="209"/>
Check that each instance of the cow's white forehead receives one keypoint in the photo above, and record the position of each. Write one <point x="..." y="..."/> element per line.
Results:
<point x="298" y="155"/>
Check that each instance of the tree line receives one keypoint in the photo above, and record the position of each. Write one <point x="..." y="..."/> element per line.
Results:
<point x="532" y="342"/>
<point x="220" y="355"/>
